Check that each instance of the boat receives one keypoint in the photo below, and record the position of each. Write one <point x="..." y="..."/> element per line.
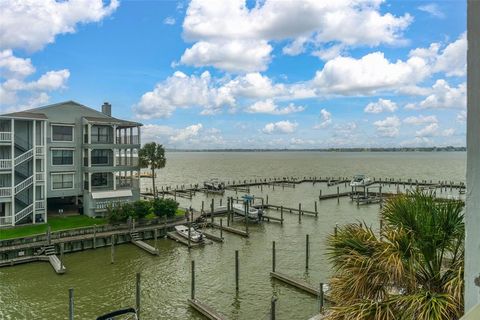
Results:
<point x="145" y="175"/>
<point x="195" y="236"/>
<point x="253" y="213"/>
<point x="360" y="180"/>
<point x="129" y="313"/>
<point x="214" y="185"/>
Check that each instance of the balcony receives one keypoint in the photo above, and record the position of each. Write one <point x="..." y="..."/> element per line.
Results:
<point x="39" y="176"/>
<point x="39" y="151"/>
<point x="5" y="164"/>
<point x="128" y="139"/>
<point x="5" y="137"/>
<point x="6" y="221"/>
<point x="127" y="162"/>
<point x="5" y="192"/>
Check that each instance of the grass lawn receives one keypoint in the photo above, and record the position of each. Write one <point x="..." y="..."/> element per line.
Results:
<point x="56" y="223"/>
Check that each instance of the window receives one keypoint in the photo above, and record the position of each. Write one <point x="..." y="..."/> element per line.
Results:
<point x="100" y="179"/>
<point x="62" y="157"/>
<point x="62" y="133"/>
<point x="100" y="156"/>
<point x="62" y="181"/>
<point x="101" y="134"/>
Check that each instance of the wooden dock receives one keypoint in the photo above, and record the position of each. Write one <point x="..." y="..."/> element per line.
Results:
<point x="268" y="218"/>
<point x="205" y="310"/>
<point x="57" y="265"/>
<point x="297" y="283"/>
<point x="178" y="238"/>
<point x="285" y="209"/>
<point x="135" y="239"/>
<point x="146" y="247"/>
<point x="230" y="229"/>
<point x="212" y="237"/>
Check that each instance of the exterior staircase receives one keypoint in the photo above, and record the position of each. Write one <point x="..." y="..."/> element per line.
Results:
<point x="134" y="236"/>
<point x="50" y="250"/>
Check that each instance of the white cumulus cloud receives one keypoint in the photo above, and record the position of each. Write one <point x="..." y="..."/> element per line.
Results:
<point x="32" y="24"/>
<point x="281" y="127"/>
<point x="389" y="127"/>
<point x="326" y="119"/>
<point x="382" y="105"/>
<point x="269" y="107"/>
<point x="231" y="36"/>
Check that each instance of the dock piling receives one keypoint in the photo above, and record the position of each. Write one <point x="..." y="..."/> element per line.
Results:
<point x="307" y="250"/>
<point x="70" y="304"/>
<point x="62" y="247"/>
<point x="192" y="288"/>
<point x="137" y="295"/>
<point x="112" y="252"/>
<point x="299" y="213"/>
<point x="272" y="308"/>
<point x="221" y="228"/>
<point x="273" y="257"/>
<point x="236" y="271"/>
<point x="321" y="297"/>
<point x="94" y="236"/>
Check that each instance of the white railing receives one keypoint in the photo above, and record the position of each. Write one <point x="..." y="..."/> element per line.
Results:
<point x="39" y="150"/>
<point x="39" y="176"/>
<point x="5" y="164"/>
<point x="23" y="213"/>
<point x="105" y="203"/>
<point x="5" y="192"/>
<point x="39" y="204"/>
<point x="6" y="221"/>
<point x="24" y="184"/>
<point x="5" y="136"/>
<point x="130" y="162"/>
<point x="24" y="156"/>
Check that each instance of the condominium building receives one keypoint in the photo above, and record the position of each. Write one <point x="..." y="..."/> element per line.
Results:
<point x="65" y="157"/>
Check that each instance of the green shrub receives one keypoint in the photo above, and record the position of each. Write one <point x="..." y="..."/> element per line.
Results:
<point x="116" y="214"/>
<point x="164" y="207"/>
<point x="142" y="208"/>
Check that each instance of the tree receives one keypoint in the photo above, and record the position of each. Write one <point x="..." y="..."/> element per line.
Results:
<point x="414" y="270"/>
<point x="162" y="207"/>
<point x="152" y="156"/>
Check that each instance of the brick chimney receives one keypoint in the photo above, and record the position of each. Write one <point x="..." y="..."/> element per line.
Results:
<point x="107" y="109"/>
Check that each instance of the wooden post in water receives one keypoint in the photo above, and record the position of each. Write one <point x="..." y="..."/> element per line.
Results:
<point x="62" y="247"/>
<point x="165" y="225"/>
<point x="335" y="230"/>
<point x="137" y="295"/>
<point x="49" y="235"/>
<point x="237" y="270"/>
<point x="267" y="199"/>
<point x="221" y="201"/>
<point x="273" y="257"/>
<point x="316" y="210"/>
<point x="189" y="236"/>
<point x="94" y="236"/>
<point x="338" y="194"/>
<point x="272" y="308"/>
<point x="155" y="235"/>
<point x="307" y="250"/>
<point x="203" y="206"/>
<point x="321" y="297"/>
<point x="211" y="210"/>
<point x="246" y="216"/>
<point x="281" y="214"/>
<point x="112" y="252"/>
<point x="70" y="304"/>
<point x="299" y="213"/>
<point x="221" y="228"/>
<point x="192" y="288"/>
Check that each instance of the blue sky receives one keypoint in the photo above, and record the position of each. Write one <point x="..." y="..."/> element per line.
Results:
<point x="230" y="74"/>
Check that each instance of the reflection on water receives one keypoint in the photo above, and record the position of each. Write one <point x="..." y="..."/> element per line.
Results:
<point x="34" y="291"/>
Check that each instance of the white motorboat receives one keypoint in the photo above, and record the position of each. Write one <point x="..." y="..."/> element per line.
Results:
<point x="214" y="185"/>
<point x="360" y="180"/>
<point x="195" y="235"/>
<point x="253" y="213"/>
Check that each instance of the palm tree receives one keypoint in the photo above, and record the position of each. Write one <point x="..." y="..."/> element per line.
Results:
<point x="412" y="270"/>
<point x="152" y="156"/>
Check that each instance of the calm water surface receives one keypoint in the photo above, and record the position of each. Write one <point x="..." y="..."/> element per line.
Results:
<point x="34" y="291"/>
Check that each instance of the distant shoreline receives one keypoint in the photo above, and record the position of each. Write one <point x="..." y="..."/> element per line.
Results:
<point x="431" y="149"/>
